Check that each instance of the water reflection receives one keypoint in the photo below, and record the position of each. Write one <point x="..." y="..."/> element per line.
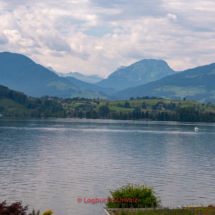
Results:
<point x="50" y="163"/>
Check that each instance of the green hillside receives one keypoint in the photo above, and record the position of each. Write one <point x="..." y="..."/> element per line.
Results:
<point x="141" y="72"/>
<point x="20" y="73"/>
<point x="193" y="84"/>
<point x="17" y="104"/>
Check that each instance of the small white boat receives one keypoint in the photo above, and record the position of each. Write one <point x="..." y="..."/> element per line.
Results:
<point x="196" y="129"/>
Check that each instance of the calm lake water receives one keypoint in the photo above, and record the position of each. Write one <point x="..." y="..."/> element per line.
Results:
<point x="48" y="164"/>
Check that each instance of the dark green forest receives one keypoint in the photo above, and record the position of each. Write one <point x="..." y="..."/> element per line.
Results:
<point x="186" y="114"/>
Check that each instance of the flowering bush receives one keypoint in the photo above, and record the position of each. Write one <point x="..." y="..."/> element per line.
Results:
<point x="48" y="212"/>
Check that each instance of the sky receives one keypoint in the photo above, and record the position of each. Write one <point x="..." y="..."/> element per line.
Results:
<point x="98" y="36"/>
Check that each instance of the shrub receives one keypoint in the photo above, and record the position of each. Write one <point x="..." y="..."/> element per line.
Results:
<point x="13" y="209"/>
<point x="133" y="196"/>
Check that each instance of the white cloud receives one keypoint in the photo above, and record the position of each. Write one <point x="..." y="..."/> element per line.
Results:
<point x="98" y="36"/>
<point x="171" y="17"/>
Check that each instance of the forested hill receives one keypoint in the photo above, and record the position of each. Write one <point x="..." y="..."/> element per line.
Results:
<point x="193" y="84"/>
<point x="20" y="73"/>
<point x="13" y="103"/>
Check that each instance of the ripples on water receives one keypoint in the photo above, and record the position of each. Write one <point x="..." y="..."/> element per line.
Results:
<point x="48" y="164"/>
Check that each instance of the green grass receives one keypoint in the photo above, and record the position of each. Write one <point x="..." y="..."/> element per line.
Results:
<point x="156" y="212"/>
<point x="118" y="109"/>
<point x="13" y="109"/>
<point x="184" y="211"/>
<point x="183" y="91"/>
<point x="205" y="210"/>
<point x="60" y="85"/>
<point x="150" y="102"/>
<point x="11" y="105"/>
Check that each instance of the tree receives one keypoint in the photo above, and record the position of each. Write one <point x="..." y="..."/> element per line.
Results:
<point x="143" y="105"/>
<point x="184" y="98"/>
<point x="138" y="109"/>
<point x="147" y="114"/>
<point x="47" y="113"/>
<point x="88" y="114"/>
<point x="80" y="114"/>
<point x="104" y="110"/>
<point x="94" y="115"/>
<point x="126" y="105"/>
<point x="13" y="209"/>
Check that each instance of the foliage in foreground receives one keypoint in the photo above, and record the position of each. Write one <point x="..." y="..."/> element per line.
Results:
<point x="17" y="209"/>
<point x="48" y="212"/>
<point x="13" y="209"/>
<point x="157" y="212"/>
<point x="144" y="195"/>
<point x="35" y="213"/>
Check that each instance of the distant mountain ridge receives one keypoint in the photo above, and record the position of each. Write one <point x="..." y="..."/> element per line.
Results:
<point x="20" y="73"/>
<point x="193" y="84"/>
<point x="139" y="73"/>
<point x="88" y="86"/>
<point x="86" y="78"/>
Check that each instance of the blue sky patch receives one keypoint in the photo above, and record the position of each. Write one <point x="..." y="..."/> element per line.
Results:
<point x="98" y="31"/>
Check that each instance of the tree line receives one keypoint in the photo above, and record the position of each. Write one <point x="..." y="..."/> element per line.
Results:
<point x="186" y="114"/>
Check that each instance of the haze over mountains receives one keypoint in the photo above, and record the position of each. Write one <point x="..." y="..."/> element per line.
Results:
<point x="90" y="78"/>
<point x="92" y="87"/>
<point x="148" y="78"/>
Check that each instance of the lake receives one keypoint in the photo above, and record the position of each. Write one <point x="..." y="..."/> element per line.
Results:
<point x="49" y="163"/>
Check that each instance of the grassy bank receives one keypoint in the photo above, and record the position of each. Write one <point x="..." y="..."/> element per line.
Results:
<point x="183" y="211"/>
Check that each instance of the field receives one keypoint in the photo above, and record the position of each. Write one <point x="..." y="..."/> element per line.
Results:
<point x="118" y="106"/>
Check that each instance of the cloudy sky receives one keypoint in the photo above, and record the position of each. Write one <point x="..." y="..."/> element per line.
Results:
<point x="98" y="36"/>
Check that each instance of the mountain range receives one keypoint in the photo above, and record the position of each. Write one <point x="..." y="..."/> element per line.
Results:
<point x="92" y="79"/>
<point x="139" y="73"/>
<point x="144" y="78"/>
<point x="91" y="87"/>
<point x="193" y="84"/>
<point x="20" y="73"/>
